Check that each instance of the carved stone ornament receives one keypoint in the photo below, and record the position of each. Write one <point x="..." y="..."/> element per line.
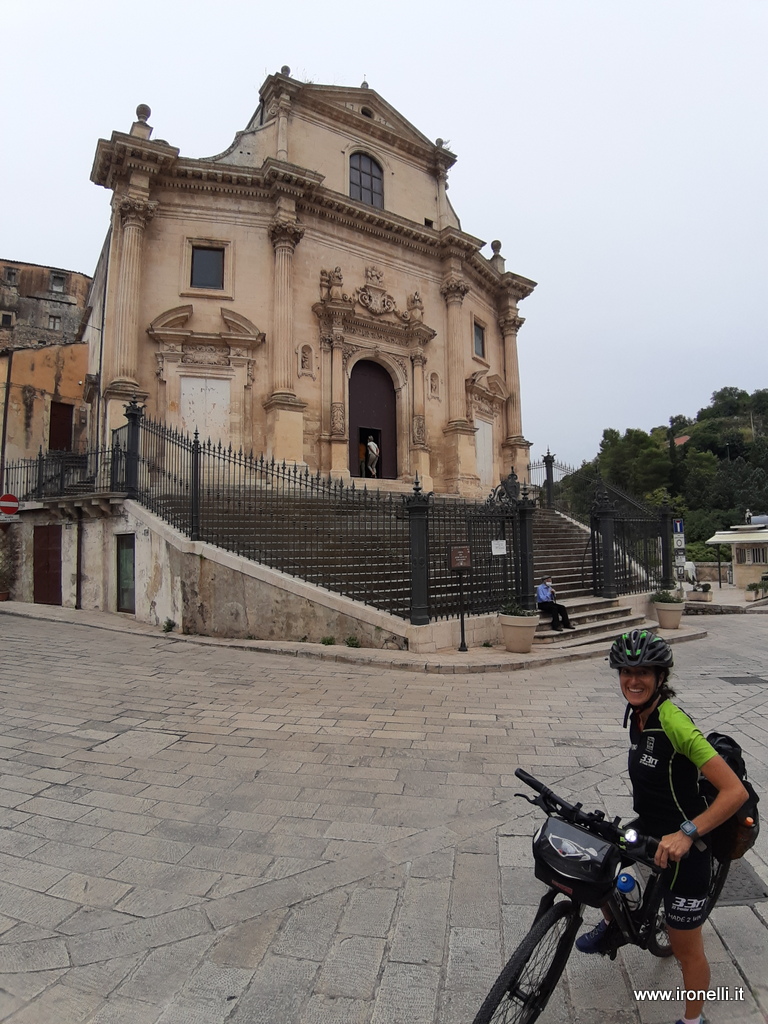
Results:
<point x="419" y="430"/>
<point x="207" y="355"/>
<point x="485" y="395"/>
<point x="510" y="324"/>
<point x="306" y="360"/>
<point x="454" y="289"/>
<point x="337" y="419"/>
<point x="285" y="233"/>
<point x="135" y="211"/>
<point x="416" y="307"/>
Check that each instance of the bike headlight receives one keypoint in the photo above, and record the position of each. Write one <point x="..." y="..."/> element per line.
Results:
<point x="630" y="835"/>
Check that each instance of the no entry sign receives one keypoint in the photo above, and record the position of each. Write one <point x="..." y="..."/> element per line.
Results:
<point x="9" y="504"/>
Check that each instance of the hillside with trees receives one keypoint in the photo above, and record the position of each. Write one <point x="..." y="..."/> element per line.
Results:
<point x="709" y="469"/>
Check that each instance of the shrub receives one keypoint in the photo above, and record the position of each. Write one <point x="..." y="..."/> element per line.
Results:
<point x="352" y="641"/>
<point x="513" y="607"/>
<point x="665" y="597"/>
<point x="328" y="640"/>
<point x="168" y="626"/>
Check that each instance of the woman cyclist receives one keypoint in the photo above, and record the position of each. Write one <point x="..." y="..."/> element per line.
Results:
<point x="666" y="754"/>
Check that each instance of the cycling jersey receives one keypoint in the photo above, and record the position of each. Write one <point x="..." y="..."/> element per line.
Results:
<point x="664" y="762"/>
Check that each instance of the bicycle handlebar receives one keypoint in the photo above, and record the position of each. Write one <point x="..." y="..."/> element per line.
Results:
<point x="640" y="848"/>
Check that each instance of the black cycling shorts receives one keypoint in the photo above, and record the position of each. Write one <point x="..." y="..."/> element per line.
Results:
<point x="685" y="898"/>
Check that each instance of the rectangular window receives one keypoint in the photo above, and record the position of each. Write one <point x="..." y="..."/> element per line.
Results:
<point x="54" y="323"/>
<point x="741" y="556"/>
<point x="479" y="340"/>
<point x="759" y="555"/>
<point x="207" y="268"/>
<point x="57" y="283"/>
<point x="6" y="319"/>
<point x="11" y="275"/>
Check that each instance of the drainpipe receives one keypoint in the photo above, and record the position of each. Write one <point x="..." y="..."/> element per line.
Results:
<point x="79" y="565"/>
<point x="9" y="353"/>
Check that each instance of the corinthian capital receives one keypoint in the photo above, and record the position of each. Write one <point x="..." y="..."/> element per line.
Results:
<point x="454" y="289"/>
<point x="135" y="211"/>
<point x="510" y="324"/>
<point x="285" y="233"/>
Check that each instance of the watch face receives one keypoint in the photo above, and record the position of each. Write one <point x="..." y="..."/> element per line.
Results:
<point x="688" y="828"/>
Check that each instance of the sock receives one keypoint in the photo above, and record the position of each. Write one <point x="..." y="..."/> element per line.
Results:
<point x="691" y="1020"/>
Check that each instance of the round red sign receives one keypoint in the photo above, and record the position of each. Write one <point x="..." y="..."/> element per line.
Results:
<point x="9" y="504"/>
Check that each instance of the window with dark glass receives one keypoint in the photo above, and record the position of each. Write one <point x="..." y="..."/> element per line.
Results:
<point x="207" y="268"/>
<point x="10" y="275"/>
<point x="6" y="320"/>
<point x="366" y="180"/>
<point x="479" y="340"/>
<point x="57" y="282"/>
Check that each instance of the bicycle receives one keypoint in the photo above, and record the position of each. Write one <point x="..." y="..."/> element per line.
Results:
<point x="579" y="855"/>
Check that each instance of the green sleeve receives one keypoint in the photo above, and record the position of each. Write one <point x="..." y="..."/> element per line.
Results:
<point x="684" y="736"/>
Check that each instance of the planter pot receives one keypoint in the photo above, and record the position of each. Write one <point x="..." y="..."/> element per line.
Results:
<point x="517" y="632"/>
<point x="5" y="595"/>
<point x="669" y="615"/>
<point x="754" y="595"/>
<point x="699" y="595"/>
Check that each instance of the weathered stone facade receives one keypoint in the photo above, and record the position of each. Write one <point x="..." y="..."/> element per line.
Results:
<point x="43" y="361"/>
<point x="305" y="289"/>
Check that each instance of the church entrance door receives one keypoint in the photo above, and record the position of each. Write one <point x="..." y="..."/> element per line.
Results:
<point x="372" y="413"/>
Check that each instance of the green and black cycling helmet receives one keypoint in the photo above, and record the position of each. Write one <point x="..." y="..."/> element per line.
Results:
<point x="642" y="648"/>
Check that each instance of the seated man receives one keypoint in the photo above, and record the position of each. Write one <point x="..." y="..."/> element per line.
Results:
<point x="545" y="597"/>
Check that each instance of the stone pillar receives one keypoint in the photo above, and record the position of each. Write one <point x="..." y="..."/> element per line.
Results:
<point x="461" y="458"/>
<point x="339" y="440"/>
<point x="283" y="108"/>
<point x="419" y="447"/>
<point x="514" y="445"/>
<point x="285" y="421"/>
<point x="134" y="213"/>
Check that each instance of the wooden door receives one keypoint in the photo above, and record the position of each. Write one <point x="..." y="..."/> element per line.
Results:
<point x="47" y="565"/>
<point x="126" y="572"/>
<point x="372" y="412"/>
<point x="60" y="430"/>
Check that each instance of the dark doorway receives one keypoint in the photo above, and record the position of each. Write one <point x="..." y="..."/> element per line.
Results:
<point x="126" y="572"/>
<point x="60" y="431"/>
<point x="372" y="412"/>
<point x="47" y="565"/>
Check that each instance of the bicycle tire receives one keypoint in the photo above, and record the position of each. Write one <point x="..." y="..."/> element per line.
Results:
<point x="658" y="941"/>
<point x="522" y="990"/>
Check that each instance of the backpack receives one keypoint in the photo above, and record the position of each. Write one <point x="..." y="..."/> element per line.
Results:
<point x="733" y="837"/>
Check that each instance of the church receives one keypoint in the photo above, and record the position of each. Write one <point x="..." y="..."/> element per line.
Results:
<point x="305" y="292"/>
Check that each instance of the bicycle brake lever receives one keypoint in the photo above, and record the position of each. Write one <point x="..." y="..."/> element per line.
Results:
<point x="531" y="799"/>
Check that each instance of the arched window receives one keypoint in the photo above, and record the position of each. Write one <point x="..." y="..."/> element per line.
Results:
<point x="366" y="180"/>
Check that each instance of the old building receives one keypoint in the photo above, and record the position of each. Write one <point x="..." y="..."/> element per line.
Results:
<point x="305" y="290"/>
<point x="43" y="360"/>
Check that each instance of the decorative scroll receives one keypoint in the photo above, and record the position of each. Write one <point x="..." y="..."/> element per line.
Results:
<point x="337" y="418"/>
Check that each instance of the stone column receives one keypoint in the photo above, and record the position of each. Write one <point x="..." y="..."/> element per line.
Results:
<point x="461" y="457"/>
<point x="283" y="108"/>
<point x="285" y="422"/>
<point x="419" y="448"/>
<point x="339" y="440"/>
<point x="515" y="446"/>
<point x="134" y="213"/>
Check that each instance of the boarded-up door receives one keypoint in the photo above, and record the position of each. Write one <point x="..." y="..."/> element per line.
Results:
<point x="205" y="407"/>
<point x="47" y="565"/>
<point x="60" y="429"/>
<point x="372" y="412"/>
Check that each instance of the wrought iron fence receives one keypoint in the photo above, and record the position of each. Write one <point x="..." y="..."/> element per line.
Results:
<point x="630" y="544"/>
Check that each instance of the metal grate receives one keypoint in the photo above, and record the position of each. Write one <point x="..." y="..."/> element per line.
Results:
<point x="745" y="680"/>
<point x="743" y="886"/>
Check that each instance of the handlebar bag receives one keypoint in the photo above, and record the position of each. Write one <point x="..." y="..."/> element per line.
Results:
<point x="572" y="860"/>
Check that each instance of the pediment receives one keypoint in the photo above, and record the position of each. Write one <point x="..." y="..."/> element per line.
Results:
<point x="328" y="97"/>
<point x="239" y="324"/>
<point x="171" y="318"/>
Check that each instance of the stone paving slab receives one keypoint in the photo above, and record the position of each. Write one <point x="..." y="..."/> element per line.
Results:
<point x="174" y="849"/>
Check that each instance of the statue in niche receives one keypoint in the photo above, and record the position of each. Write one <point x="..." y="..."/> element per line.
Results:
<point x="306" y="357"/>
<point x="434" y="385"/>
<point x="335" y="281"/>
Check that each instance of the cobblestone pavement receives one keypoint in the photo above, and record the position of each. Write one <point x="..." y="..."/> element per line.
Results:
<point x="199" y="834"/>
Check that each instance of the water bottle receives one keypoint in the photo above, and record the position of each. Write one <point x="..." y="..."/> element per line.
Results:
<point x="627" y="885"/>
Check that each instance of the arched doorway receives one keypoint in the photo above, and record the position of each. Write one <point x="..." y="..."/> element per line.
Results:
<point x="372" y="413"/>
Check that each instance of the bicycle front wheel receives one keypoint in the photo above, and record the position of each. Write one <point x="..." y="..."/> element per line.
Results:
<point x="523" y="988"/>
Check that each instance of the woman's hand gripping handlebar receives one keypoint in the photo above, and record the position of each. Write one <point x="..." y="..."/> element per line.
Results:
<point x="632" y="845"/>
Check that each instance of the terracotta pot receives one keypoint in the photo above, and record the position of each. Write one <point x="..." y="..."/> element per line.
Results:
<point x="5" y="595"/>
<point x="517" y="632"/>
<point x="669" y="615"/>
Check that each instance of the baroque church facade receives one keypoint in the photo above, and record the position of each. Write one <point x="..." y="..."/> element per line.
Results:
<point x="305" y="290"/>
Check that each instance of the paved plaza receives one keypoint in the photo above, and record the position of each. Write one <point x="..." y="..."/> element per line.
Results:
<point x="196" y="833"/>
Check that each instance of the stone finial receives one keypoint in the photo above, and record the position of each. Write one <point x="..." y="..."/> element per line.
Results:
<point x="497" y="260"/>
<point x="364" y="85"/>
<point x="496" y="247"/>
<point x="143" y="113"/>
<point x="285" y="70"/>
<point x="439" y="143"/>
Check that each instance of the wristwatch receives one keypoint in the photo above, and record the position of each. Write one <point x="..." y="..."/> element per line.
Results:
<point x="689" y="829"/>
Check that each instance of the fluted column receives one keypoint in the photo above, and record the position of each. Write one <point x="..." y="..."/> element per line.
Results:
<point x="418" y="431"/>
<point x="510" y="325"/>
<point x="338" y="413"/>
<point x="134" y="214"/>
<point x="453" y="291"/>
<point x="285" y="236"/>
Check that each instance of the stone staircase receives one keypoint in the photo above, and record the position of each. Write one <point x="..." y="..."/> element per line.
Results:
<point x="562" y="550"/>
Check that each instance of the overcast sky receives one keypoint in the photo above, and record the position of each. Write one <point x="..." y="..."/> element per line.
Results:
<point x="616" y="147"/>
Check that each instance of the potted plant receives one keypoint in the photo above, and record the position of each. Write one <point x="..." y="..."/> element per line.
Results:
<point x="700" y="592"/>
<point x="518" y="625"/>
<point x="756" y="591"/>
<point x="668" y="608"/>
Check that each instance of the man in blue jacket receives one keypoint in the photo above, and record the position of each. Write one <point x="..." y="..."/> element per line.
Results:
<point x="545" y="596"/>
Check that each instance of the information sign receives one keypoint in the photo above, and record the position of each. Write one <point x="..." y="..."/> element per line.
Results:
<point x="498" y="547"/>
<point x="459" y="557"/>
